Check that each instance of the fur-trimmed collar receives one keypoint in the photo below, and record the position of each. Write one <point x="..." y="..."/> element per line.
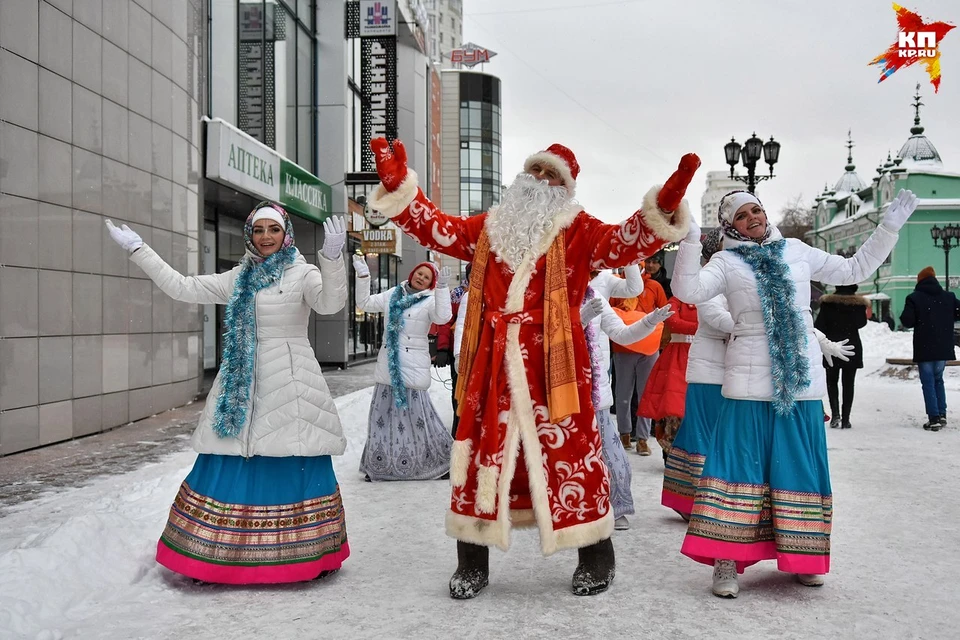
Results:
<point x="852" y="300"/>
<point x="563" y="220"/>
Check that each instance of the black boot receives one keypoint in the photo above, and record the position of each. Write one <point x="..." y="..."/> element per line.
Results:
<point x="596" y="569"/>
<point x="473" y="571"/>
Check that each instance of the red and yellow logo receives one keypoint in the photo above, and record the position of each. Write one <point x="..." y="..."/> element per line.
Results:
<point x="917" y="41"/>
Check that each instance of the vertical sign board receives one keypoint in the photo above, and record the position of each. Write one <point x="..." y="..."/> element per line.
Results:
<point x="378" y="86"/>
<point x="256" y="79"/>
<point x="436" y="97"/>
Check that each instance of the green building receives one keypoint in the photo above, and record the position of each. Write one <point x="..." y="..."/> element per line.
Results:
<point x="846" y="215"/>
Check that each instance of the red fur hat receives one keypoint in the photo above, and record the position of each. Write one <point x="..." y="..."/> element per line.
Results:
<point x="560" y="158"/>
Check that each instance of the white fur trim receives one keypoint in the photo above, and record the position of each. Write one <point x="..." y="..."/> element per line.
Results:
<point x="555" y="161"/>
<point x="392" y="203"/>
<point x="460" y="461"/>
<point x="671" y="227"/>
<point x="583" y="535"/>
<point x="487" y="489"/>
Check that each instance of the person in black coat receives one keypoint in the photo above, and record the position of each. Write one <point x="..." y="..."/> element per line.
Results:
<point x="932" y="312"/>
<point x="842" y="314"/>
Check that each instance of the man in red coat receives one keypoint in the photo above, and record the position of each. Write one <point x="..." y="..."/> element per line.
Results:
<point x="527" y="451"/>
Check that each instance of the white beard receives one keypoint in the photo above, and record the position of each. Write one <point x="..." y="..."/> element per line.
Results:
<point x="526" y="213"/>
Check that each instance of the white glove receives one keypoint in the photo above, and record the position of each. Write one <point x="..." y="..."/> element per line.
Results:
<point x="693" y="235"/>
<point x="124" y="236"/>
<point x="839" y="350"/>
<point x="657" y="316"/>
<point x="900" y="210"/>
<point x="443" y="277"/>
<point x="360" y="267"/>
<point x="591" y="310"/>
<point x="334" y="237"/>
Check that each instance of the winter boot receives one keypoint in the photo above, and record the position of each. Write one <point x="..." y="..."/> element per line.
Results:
<point x="596" y="569"/>
<point x="725" y="584"/>
<point x="810" y="579"/>
<point x="845" y="424"/>
<point x="324" y="574"/>
<point x="621" y="524"/>
<point x="473" y="571"/>
<point x="835" y="423"/>
<point x="933" y="424"/>
<point x="643" y="448"/>
<point x="625" y="440"/>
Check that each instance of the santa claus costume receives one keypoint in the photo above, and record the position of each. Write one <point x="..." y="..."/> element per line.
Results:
<point x="406" y="437"/>
<point x="528" y="450"/>
<point x="666" y="389"/>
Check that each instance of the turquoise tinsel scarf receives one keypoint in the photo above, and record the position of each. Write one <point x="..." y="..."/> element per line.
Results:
<point x="786" y="333"/>
<point x="400" y="301"/>
<point x="240" y="340"/>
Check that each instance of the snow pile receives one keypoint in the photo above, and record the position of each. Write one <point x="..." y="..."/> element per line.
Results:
<point x="879" y="343"/>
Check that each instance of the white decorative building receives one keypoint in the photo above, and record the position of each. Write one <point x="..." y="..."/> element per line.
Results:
<point x="446" y="30"/>
<point x="719" y="183"/>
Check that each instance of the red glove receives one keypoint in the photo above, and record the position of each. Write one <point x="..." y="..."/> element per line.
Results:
<point x="391" y="165"/>
<point x="676" y="186"/>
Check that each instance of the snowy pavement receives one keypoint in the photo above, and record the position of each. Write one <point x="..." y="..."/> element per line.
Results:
<point x="78" y="563"/>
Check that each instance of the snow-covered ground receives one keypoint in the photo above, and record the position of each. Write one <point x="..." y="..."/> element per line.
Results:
<point x="79" y="563"/>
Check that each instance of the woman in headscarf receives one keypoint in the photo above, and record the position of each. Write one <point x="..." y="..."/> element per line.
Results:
<point x="765" y="490"/>
<point x="262" y="503"/>
<point x="406" y="438"/>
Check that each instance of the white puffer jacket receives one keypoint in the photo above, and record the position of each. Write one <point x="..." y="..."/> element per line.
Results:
<point x="709" y="348"/>
<point x="414" y="344"/>
<point x="291" y="411"/>
<point x="609" y="286"/>
<point x="747" y="373"/>
<point x="609" y="325"/>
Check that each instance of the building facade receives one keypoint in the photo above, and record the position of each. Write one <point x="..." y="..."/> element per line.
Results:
<point x="719" y="183"/>
<point x="471" y="148"/>
<point x="446" y="30"/>
<point x="846" y="215"/>
<point x="100" y="107"/>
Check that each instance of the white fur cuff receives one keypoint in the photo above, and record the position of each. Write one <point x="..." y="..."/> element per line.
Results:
<point x="671" y="227"/>
<point x="392" y="203"/>
<point x="487" y="489"/>
<point x="460" y="462"/>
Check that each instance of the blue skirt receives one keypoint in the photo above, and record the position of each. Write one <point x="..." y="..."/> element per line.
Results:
<point x="765" y="489"/>
<point x="684" y="463"/>
<point x="252" y="520"/>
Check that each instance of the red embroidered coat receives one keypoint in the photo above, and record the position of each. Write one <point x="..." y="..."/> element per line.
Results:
<point x="551" y="476"/>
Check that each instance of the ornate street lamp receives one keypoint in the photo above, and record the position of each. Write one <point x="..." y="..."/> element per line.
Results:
<point x="946" y="238"/>
<point x="749" y="154"/>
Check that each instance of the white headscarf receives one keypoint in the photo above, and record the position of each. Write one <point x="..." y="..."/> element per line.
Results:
<point x="270" y="214"/>
<point x="729" y="205"/>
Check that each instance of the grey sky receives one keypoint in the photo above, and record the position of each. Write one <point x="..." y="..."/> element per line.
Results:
<point x="665" y="77"/>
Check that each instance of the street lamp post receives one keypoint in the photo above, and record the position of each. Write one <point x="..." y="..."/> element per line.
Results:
<point x="749" y="155"/>
<point x="946" y="238"/>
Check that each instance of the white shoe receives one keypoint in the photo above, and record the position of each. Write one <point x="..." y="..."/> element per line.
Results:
<point x="621" y="524"/>
<point x="725" y="583"/>
<point x="810" y="579"/>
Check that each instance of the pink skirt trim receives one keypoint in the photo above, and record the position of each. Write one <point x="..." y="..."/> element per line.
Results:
<point x="706" y="551"/>
<point x="683" y="504"/>
<point x="259" y="574"/>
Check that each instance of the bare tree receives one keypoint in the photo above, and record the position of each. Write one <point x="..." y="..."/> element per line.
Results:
<point x="796" y="218"/>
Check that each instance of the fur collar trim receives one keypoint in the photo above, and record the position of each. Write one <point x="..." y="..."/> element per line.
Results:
<point x="854" y="300"/>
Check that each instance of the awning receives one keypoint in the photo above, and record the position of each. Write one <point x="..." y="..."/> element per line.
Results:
<point x="876" y="296"/>
<point x="239" y="161"/>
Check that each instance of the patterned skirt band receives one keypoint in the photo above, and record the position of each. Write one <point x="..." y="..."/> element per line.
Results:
<point x="245" y="541"/>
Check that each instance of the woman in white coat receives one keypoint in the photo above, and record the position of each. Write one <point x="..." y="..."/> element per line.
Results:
<point x="406" y="438"/>
<point x="262" y="503"/>
<point x="600" y="322"/>
<point x="765" y="489"/>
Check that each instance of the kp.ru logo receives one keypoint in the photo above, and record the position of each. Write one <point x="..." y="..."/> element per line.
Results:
<point x="917" y="41"/>
<point x="378" y="15"/>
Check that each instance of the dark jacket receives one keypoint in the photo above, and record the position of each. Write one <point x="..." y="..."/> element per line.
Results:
<point x="840" y="318"/>
<point x="664" y="282"/>
<point x="930" y="312"/>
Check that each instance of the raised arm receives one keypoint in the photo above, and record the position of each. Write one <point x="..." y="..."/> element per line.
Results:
<point x="442" y="312"/>
<point x="631" y="285"/>
<point x="399" y="197"/>
<point x="207" y="289"/>
<point x="832" y="269"/>
<point x="664" y="217"/>
<point x="325" y="286"/>
<point x="691" y="283"/>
